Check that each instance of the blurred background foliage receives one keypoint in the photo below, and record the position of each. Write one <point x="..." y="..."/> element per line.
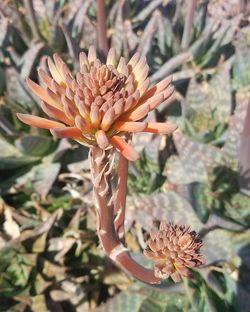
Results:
<point x="49" y="254"/>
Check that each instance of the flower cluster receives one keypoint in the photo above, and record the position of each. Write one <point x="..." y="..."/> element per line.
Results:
<point x="101" y="103"/>
<point x="174" y="249"/>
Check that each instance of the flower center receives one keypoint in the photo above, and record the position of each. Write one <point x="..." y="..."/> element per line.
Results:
<point x="102" y="86"/>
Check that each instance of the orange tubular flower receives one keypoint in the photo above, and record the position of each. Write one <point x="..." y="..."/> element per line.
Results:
<point x="100" y="104"/>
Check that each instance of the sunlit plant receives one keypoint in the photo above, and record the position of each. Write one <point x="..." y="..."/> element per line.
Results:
<point x="101" y="107"/>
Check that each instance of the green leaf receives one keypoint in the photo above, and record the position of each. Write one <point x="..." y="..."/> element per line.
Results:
<point x="126" y="301"/>
<point x="231" y="147"/>
<point x="147" y="10"/>
<point x="2" y="81"/>
<point x="218" y="246"/>
<point x="168" y="206"/>
<point x="214" y="51"/>
<point x="12" y="158"/>
<point x="216" y="93"/>
<point x="117" y="39"/>
<point x="34" y="145"/>
<point x="241" y="67"/>
<point x="201" y="198"/>
<point x="150" y="306"/>
<point x="149" y="32"/>
<point x="39" y="303"/>
<point x="192" y="152"/>
<point x="30" y="59"/>
<point x="16" y="89"/>
<point x="193" y="158"/>
<point x="45" y="176"/>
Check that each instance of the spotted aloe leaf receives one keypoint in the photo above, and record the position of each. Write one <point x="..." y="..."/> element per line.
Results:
<point x="124" y="302"/>
<point x="177" y="173"/>
<point x="117" y="38"/>
<point x="241" y="67"/>
<point x="192" y="161"/>
<point x="45" y="176"/>
<point x="216" y="93"/>
<point x="30" y="59"/>
<point x="148" y="34"/>
<point x="244" y="148"/>
<point x="201" y="198"/>
<point x="12" y="158"/>
<point x="230" y="149"/>
<point x="34" y="145"/>
<point x="163" y="206"/>
<point x="16" y="91"/>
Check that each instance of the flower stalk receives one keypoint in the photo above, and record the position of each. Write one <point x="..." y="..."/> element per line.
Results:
<point x="120" y="201"/>
<point x="101" y="28"/>
<point x="101" y="107"/>
<point x="101" y="164"/>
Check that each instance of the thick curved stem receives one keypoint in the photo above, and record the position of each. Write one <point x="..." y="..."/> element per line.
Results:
<point x="101" y="166"/>
<point x="120" y="203"/>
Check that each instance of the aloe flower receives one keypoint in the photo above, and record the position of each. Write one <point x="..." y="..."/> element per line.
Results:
<point x="101" y="103"/>
<point x="174" y="249"/>
<point x="100" y="107"/>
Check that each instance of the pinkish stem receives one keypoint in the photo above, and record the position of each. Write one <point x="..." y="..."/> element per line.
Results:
<point x="101" y="28"/>
<point x="120" y="204"/>
<point x="101" y="166"/>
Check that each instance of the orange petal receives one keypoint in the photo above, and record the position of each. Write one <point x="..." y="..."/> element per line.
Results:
<point x="142" y="74"/>
<point x="159" y="127"/>
<point x="83" y="109"/>
<point x="56" y="98"/>
<point x="143" y="86"/>
<point x="39" y="122"/>
<point x="124" y="148"/>
<point x="169" y="92"/>
<point x="57" y="88"/>
<point x="94" y="115"/>
<point x="82" y="124"/>
<point x="154" y="101"/>
<point x="129" y="126"/>
<point x="160" y="86"/>
<point x="111" y="58"/>
<point x="55" y="113"/>
<point x="55" y="73"/>
<point x="41" y="93"/>
<point x="122" y="67"/>
<point x="128" y="103"/>
<point x="136" y="114"/>
<point x="91" y="54"/>
<point x="134" y="60"/>
<point x="61" y="66"/>
<point x="108" y="119"/>
<point x="139" y="67"/>
<point x="46" y="79"/>
<point x="84" y="63"/>
<point x="119" y="107"/>
<point x="69" y="107"/>
<point x="101" y="139"/>
<point x="67" y="132"/>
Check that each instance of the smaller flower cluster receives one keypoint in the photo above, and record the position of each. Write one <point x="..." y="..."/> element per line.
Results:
<point x="174" y="249"/>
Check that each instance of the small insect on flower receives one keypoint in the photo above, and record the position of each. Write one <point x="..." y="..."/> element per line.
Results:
<point x="174" y="249"/>
<point x="101" y="103"/>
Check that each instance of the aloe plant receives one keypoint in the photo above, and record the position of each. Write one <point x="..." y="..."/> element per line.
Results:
<point x="199" y="176"/>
